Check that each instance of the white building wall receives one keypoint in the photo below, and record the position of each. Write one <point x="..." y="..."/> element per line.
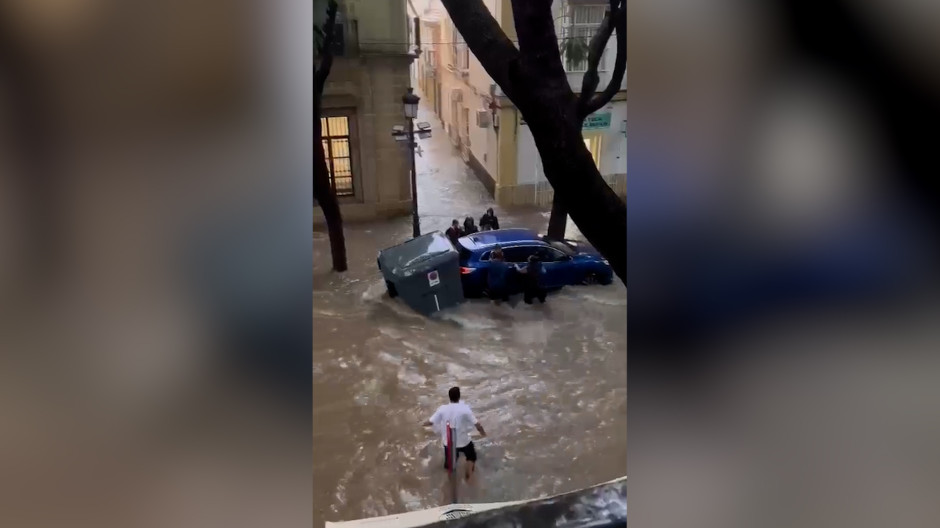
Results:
<point x="528" y="163"/>
<point x="483" y="141"/>
<point x="613" y="155"/>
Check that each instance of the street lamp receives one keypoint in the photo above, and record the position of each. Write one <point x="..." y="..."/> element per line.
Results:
<point x="410" y="101"/>
<point x="410" y="105"/>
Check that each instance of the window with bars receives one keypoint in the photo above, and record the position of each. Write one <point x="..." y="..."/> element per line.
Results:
<point x="338" y="151"/>
<point x="584" y="23"/>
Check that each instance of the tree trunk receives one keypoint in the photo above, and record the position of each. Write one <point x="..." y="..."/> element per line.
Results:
<point x="558" y="221"/>
<point x="323" y="191"/>
<point x="596" y="209"/>
<point x="615" y="20"/>
<point x="326" y="198"/>
<point x="533" y="78"/>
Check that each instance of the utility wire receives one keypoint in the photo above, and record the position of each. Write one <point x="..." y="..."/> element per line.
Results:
<point x="447" y="43"/>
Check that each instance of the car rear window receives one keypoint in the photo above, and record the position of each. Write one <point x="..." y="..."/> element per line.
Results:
<point x="564" y="248"/>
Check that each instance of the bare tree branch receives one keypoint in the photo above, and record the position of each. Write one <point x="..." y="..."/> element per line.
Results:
<point x="545" y="99"/>
<point x="618" y="16"/>
<point x="498" y="55"/>
<point x="537" y="39"/>
<point x="325" y="49"/>
<point x="596" y="50"/>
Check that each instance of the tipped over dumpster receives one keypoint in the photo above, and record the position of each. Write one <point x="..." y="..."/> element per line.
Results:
<point x="424" y="272"/>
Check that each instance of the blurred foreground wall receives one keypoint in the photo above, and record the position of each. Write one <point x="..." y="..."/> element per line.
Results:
<point x="154" y="263"/>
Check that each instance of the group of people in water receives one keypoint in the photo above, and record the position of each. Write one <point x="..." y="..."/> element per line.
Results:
<point x="501" y="275"/>
<point x="488" y="222"/>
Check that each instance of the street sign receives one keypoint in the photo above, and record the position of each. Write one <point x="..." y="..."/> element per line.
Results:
<point x="596" y="121"/>
<point x="433" y="278"/>
<point x="592" y="122"/>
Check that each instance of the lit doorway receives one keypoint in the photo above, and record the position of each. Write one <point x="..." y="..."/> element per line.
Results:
<point x="593" y="144"/>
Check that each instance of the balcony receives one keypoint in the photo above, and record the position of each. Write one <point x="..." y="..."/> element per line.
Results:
<point x="350" y="44"/>
<point x="346" y="42"/>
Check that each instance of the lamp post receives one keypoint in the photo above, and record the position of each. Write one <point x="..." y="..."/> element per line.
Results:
<point x="410" y="105"/>
<point x="410" y="102"/>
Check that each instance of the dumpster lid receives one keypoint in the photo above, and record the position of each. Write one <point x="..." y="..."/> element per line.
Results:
<point x="417" y="254"/>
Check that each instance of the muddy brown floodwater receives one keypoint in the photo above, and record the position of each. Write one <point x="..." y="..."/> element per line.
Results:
<point x="547" y="382"/>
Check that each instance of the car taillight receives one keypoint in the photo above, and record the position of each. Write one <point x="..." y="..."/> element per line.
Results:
<point x="465" y="271"/>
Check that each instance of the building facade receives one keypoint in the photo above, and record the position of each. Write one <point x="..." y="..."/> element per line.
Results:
<point x="428" y="65"/>
<point x="490" y="132"/>
<point x="362" y="103"/>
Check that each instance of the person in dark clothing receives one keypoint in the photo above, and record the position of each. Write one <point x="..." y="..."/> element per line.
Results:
<point x="454" y="232"/>
<point x="469" y="227"/>
<point x="489" y="221"/>
<point x="531" y="282"/>
<point x="497" y="277"/>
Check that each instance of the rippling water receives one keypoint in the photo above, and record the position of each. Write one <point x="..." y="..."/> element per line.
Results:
<point x="547" y="382"/>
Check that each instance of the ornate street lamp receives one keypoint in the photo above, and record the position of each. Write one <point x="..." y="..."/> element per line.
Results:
<point x="410" y="102"/>
<point x="410" y="107"/>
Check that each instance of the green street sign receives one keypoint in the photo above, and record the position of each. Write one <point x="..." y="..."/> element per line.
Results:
<point x="595" y="121"/>
<point x="592" y="122"/>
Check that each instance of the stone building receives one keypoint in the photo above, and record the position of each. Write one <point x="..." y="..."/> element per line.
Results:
<point x="361" y="105"/>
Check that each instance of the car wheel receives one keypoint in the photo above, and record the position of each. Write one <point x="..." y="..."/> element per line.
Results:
<point x="392" y="290"/>
<point x="590" y="278"/>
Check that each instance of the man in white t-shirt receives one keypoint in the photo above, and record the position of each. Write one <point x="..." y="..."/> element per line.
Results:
<point x="462" y="420"/>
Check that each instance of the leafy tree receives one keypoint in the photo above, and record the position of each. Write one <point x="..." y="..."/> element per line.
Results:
<point x="534" y="79"/>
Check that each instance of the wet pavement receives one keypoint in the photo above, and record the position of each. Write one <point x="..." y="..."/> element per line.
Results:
<point x="548" y="382"/>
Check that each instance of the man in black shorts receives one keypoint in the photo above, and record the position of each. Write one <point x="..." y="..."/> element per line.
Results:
<point x="461" y="418"/>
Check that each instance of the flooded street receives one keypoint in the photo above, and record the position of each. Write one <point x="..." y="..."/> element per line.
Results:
<point x="547" y="382"/>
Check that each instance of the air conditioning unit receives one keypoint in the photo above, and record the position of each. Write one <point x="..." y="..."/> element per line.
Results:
<point x="483" y="118"/>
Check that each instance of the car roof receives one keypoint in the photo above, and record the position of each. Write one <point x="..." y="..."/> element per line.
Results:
<point x="485" y="239"/>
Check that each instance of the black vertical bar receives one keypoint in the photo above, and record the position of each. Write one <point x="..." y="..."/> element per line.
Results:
<point x="415" y="220"/>
<point x="452" y="457"/>
<point x="417" y="23"/>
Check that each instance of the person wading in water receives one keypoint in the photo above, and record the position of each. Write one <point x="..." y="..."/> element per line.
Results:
<point x="497" y="277"/>
<point x="532" y="281"/>
<point x="460" y="417"/>
<point x="454" y="232"/>
<point x="489" y="220"/>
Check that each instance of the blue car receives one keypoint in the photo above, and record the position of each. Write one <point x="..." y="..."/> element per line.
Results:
<point x="563" y="262"/>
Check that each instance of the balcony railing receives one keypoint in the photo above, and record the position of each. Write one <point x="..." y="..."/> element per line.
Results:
<point x="349" y="43"/>
<point x="346" y="38"/>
